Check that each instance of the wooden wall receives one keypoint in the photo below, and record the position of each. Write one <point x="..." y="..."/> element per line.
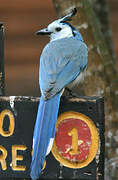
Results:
<point x="22" y="48"/>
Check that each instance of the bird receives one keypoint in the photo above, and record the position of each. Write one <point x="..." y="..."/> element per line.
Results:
<point x="63" y="63"/>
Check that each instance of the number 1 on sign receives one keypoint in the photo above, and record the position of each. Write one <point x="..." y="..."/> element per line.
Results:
<point x="75" y="142"/>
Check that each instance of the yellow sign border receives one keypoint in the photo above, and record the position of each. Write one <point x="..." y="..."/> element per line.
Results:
<point x="94" y="139"/>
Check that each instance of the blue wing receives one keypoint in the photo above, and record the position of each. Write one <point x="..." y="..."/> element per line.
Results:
<point x="62" y="62"/>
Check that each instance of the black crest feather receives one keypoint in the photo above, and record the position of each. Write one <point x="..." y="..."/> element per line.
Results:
<point x="69" y="16"/>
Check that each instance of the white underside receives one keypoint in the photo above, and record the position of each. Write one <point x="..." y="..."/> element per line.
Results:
<point x="79" y="79"/>
<point x="50" y="146"/>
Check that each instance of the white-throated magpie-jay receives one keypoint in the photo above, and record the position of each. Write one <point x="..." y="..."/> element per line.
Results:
<point x="62" y="63"/>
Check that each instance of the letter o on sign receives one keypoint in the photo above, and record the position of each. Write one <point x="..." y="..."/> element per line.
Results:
<point x="11" y="124"/>
<point x="76" y="141"/>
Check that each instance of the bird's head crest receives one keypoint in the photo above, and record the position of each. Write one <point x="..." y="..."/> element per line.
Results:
<point x="69" y="16"/>
<point x="60" y="28"/>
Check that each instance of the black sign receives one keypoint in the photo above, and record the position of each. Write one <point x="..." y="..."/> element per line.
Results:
<point x="17" y="119"/>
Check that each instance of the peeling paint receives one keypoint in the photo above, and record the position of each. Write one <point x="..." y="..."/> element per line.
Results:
<point x="61" y="171"/>
<point x="97" y="160"/>
<point x="84" y="99"/>
<point x="11" y="164"/>
<point x="77" y="100"/>
<point x="75" y="174"/>
<point x="98" y="153"/>
<point x="68" y="148"/>
<point x="80" y="142"/>
<point x="20" y="98"/>
<point x="88" y="173"/>
<point x="97" y="124"/>
<point x="12" y="99"/>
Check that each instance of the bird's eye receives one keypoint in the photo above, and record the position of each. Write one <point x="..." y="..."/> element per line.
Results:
<point x="58" y="29"/>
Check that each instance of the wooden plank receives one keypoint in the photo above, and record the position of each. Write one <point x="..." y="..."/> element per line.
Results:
<point x="17" y="118"/>
<point x="1" y="59"/>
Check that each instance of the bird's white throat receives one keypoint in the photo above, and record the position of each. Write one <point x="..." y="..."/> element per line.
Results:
<point x="65" y="33"/>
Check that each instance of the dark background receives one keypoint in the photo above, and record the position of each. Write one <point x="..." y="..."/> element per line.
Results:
<point x="22" y="18"/>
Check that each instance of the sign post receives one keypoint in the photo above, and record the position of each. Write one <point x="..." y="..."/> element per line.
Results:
<point x="1" y="59"/>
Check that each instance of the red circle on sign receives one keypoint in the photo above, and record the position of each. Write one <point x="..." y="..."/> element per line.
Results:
<point x="73" y="139"/>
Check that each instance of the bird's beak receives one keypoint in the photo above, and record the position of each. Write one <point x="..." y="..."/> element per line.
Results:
<point x="43" y="32"/>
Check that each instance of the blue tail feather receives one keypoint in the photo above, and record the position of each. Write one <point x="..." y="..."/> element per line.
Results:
<point x="44" y="130"/>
